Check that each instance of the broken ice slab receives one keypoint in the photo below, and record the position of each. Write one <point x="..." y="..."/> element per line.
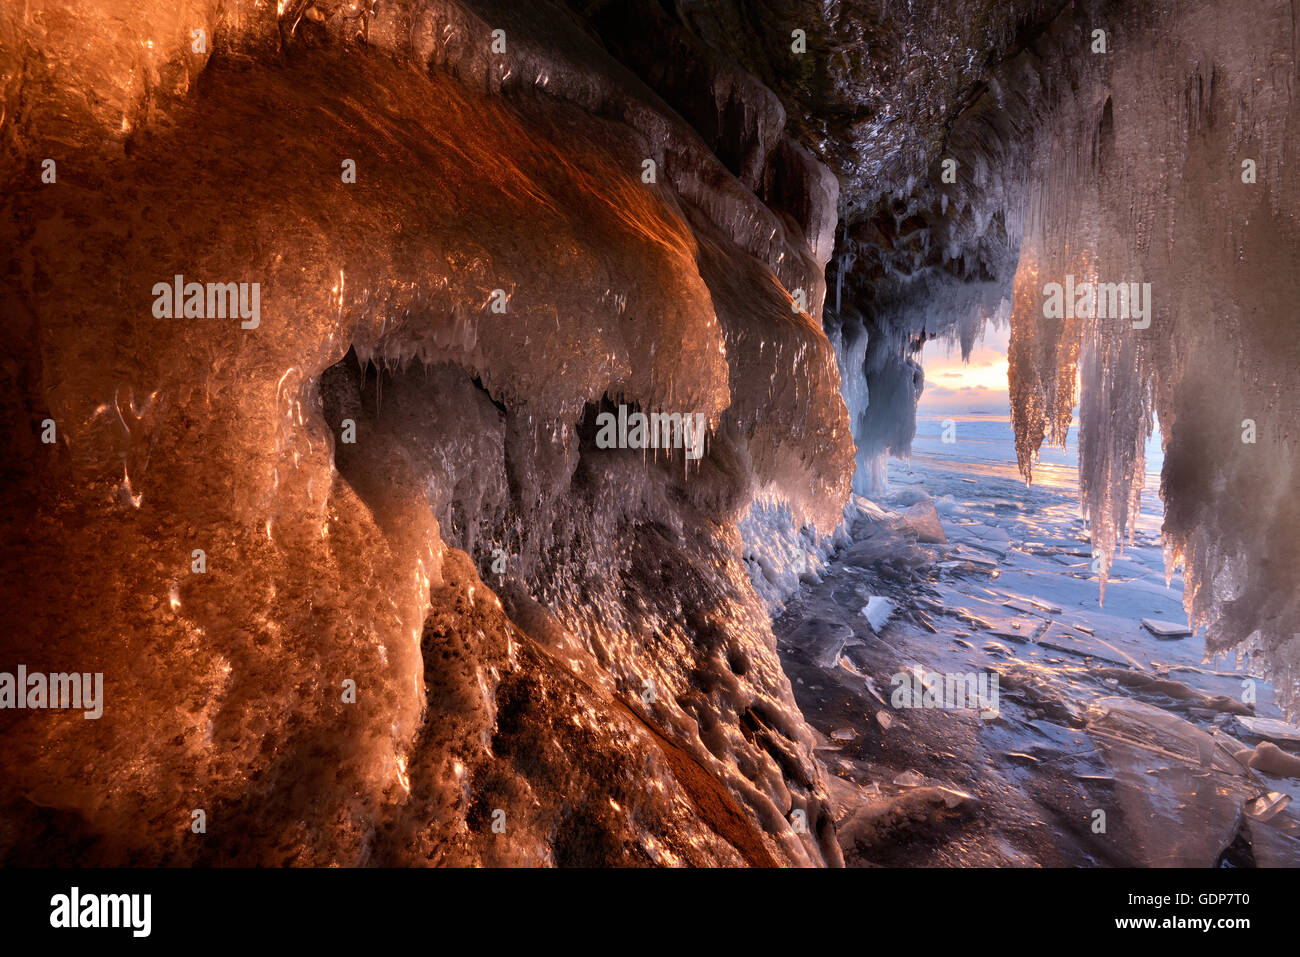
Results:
<point x="1086" y="646"/>
<point x="1185" y="695"/>
<point x="1267" y="806"/>
<point x="975" y="621"/>
<point x="1269" y="728"/>
<point x="974" y="557"/>
<point x="999" y="552"/>
<point x="1179" y="793"/>
<point x="992" y="533"/>
<point x="821" y="640"/>
<point x="1165" y="735"/>
<point x="1166" y="630"/>
<point x="1275" y="843"/>
<point x="842" y="734"/>
<point x="878" y="610"/>
<point x="1014" y="630"/>
<point x="1036" y="603"/>
<point x="1022" y="608"/>
<point x="881" y="545"/>
<point x="1068" y="562"/>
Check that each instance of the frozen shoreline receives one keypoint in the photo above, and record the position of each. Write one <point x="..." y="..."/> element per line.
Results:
<point x="1101" y="722"/>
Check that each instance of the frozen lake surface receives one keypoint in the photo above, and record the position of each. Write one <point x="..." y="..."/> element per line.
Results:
<point x="1109" y="741"/>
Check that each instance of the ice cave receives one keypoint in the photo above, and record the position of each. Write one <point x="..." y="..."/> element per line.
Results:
<point x="497" y="433"/>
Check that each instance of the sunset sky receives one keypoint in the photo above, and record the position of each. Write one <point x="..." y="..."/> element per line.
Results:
<point x="955" y="386"/>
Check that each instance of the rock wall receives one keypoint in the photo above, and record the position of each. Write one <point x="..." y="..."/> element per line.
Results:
<point x="392" y="477"/>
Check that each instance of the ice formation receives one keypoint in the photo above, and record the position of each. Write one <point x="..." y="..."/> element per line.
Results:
<point x="392" y="482"/>
<point x="1154" y="152"/>
<point x="1167" y="163"/>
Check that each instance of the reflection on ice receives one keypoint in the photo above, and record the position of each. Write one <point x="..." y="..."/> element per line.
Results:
<point x="1104" y="708"/>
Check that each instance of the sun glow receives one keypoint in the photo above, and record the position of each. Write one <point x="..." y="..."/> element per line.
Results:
<point x="979" y="383"/>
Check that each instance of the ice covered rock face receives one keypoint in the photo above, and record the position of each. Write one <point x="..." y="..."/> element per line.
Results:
<point x="883" y="93"/>
<point x="392" y="472"/>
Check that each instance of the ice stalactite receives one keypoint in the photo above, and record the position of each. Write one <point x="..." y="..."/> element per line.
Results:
<point x="1165" y="173"/>
<point x="1109" y="144"/>
<point x="929" y="256"/>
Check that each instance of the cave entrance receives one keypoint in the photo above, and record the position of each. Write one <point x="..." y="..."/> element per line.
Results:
<point x="959" y="574"/>
<point x="964" y="447"/>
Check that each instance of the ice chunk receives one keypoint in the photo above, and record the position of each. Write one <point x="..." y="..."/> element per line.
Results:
<point x="1267" y="806"/>
<point x="1166" y="630"/>
<point x="924" y="520"/>
<point x="1269" y="728"/>
<point x="878" y="610"/>
<point x="1268" y="758"/>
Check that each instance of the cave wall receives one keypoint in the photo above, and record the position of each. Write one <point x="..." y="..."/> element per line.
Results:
<point x="536" y="625"/>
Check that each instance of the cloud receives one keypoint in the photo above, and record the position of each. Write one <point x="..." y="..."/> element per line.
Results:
<point x="963" y="399"/>
<point x="956" y="386"/>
